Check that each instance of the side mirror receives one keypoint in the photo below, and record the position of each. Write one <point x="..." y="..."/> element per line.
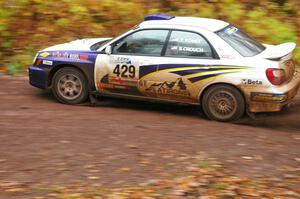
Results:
<point x="108" y="50"/>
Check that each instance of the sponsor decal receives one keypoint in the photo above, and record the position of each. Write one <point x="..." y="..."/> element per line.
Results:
<point x="187" y="40"/>
<point x="120" y="87"/>
<point x="102" y="86"/>
<point x="121" y="60"/>
<point x="44" y="54"/>
<point x="269" y="97"/>
<point x="48" y="62"/>
<point x="177" y="88"/>
<point x="60" y="54"/>
<point x="70" y="56"/>
<point x="251" y="82"/>
<point x="118" y="80"/>
<point x="231" y="30"/>
<point x="110" y="82"/>
<point x="84" y="57"/>
<point x="74" y="56"/>
<point x="187" y="49"/>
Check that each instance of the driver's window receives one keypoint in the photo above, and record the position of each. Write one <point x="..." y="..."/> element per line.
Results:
<point x="145" y="42"/>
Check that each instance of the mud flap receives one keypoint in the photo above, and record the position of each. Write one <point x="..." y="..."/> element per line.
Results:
<point x="93" y="98"/>
<point x="250" y="114"/>
<point x="286" y="107"/>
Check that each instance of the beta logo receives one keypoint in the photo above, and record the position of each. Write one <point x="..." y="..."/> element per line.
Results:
<point x="251" y="82"/>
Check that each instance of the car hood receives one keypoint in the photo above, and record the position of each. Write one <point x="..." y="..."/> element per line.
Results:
<point x="278" y="51"/>
<point x="80" y="44"/>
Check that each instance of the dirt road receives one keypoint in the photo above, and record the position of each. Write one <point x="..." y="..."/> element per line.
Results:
<point x="124" y="142"/>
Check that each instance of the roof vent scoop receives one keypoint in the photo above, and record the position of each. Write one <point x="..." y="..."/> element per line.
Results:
<point x="158" y="17"/>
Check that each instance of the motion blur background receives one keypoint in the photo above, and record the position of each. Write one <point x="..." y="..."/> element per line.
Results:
<point x="27" y="26"/>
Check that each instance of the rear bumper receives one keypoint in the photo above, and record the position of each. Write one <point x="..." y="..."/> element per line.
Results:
<point x="275" y="100"/>
<point x="38" y="77"/>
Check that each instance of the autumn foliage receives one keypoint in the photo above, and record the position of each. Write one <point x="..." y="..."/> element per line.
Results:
<point x="27" y="26"/>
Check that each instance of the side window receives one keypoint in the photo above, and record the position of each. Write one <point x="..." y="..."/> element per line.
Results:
<point x="145" y="42"/>
<point x="188" y="44"/>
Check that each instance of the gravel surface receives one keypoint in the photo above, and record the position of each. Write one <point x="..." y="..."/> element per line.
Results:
<point x="124" y="142"/>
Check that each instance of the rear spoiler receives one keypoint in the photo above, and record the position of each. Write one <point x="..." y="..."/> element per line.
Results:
<point x="278" y="51"/>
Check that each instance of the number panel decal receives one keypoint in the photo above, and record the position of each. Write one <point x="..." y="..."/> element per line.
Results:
<point x="117" y="70"/>
<point x="124" y="71"/>
<point x="131" y="71"/>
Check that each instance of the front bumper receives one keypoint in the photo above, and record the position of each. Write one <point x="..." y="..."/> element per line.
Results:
<point x="275" y="100"/>
<point x="38" y="76"/>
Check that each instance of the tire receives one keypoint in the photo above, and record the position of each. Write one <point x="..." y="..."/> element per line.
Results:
<point x="223" y="103"/>
<point x="70" y="86"/>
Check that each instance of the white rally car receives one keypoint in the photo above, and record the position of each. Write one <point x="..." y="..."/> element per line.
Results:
<point x="185" y="60"/>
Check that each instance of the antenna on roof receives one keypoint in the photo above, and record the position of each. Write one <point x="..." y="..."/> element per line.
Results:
<point x="158" y="17"/>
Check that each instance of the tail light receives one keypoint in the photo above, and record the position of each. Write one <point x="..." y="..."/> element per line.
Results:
<point x="275" y="75"/>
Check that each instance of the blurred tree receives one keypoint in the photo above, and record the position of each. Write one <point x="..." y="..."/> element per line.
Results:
<point x="30" y="25"/>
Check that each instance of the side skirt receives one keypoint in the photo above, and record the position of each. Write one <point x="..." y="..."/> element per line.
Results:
<point x="140" y="98"/>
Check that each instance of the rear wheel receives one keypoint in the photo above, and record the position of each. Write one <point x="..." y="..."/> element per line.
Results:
<point x="70" y="86"/>
<point x="223" y="103"/>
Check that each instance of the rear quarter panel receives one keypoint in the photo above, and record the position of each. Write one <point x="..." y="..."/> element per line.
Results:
<point x="250" y="76"/>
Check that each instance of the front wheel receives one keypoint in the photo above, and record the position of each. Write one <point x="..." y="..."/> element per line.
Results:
<point x="70" y="86"/>
<point x="223" y="103"/>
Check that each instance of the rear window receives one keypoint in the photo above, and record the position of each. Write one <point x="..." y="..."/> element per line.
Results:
<point x="240" y="41"/>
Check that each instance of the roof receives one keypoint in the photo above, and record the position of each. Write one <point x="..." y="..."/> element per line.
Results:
<point x="206" y="23"/>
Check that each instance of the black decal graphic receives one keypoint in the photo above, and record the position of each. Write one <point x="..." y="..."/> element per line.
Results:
<point x="177" y="88"/>
<point x="104" y="79"/>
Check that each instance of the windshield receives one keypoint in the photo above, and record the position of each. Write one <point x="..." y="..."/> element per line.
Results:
<point x="240" y="41"/>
